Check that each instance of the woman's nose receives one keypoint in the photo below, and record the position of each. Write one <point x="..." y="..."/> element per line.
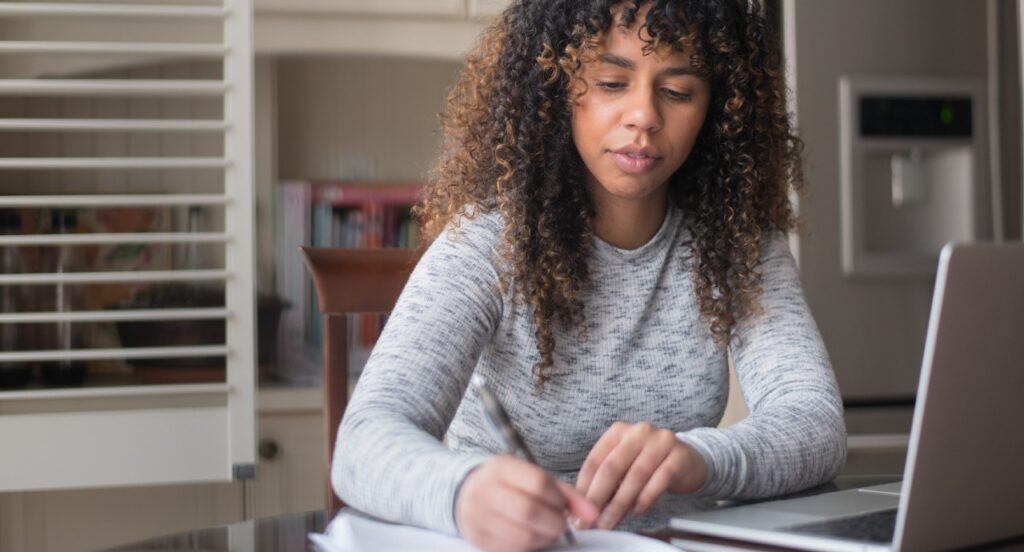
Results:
<point x="642" y="113"/>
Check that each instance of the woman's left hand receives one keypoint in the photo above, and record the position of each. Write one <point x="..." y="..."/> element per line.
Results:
<point x="631" y="465"/>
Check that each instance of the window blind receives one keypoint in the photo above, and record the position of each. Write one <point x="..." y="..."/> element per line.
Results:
<point x="114" y="110"/>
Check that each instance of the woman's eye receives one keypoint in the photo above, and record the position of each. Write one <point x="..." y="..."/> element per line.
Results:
<point x="610" y="85"/>
<point x="677" y="95"/>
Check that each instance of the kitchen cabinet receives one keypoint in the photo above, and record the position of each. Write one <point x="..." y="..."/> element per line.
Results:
<point x="291" y="479"/>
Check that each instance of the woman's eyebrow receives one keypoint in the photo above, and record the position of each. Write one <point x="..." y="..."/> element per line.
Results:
<point x="674" y="71"/>
<point x="618" y="61"/>
<point x="625" y="63"/>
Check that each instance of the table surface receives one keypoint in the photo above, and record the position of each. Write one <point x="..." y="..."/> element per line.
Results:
<point x="284" y="533"/>
<point x="287" y="533"/>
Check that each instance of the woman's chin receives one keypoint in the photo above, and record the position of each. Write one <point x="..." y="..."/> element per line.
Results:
<point x="632" y="191"/>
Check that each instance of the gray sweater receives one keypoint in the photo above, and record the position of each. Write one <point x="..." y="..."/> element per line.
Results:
<point x="647" y="356"/>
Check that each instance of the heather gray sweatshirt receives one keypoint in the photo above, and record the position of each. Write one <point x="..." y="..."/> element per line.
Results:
<point x="647" y="356"/>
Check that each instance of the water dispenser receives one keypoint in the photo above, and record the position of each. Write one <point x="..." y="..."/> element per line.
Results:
<point x="913" y="172"/>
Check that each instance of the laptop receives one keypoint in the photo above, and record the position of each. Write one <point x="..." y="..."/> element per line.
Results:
<point x="963" y="483"/>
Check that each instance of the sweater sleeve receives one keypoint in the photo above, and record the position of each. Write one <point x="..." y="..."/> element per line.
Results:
<point x="794" y="436"/>
<point x="389" y="460"/>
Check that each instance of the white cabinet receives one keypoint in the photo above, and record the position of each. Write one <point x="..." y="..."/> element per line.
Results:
<point x="292" y="471"/>
<point x="293" y="480"/>
<point x="418" y="29"/>
<point x="388" y="8"/>
<point x="486" y="8"/>
<point x="404" y="8"/>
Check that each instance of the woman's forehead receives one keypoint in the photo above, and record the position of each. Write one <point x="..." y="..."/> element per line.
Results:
<point x="639" y="15"/>
<point x="636" y="41"/>
<point x="637" y="27"/>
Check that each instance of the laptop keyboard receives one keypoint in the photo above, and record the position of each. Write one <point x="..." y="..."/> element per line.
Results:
<point x="874" y="527"/>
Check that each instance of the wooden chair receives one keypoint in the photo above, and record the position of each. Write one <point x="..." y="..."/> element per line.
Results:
<point x="350" y="281"/>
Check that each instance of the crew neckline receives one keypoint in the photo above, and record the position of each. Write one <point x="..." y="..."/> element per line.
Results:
<point x="652" y="245"/>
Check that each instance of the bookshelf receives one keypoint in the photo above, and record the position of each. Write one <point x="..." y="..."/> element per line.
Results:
<point x="332" y="213"/>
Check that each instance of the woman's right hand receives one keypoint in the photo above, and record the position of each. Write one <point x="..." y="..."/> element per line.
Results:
<point x="508" y="504"/>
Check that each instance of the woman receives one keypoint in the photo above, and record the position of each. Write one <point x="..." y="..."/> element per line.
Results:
<point x="609" y="211"/>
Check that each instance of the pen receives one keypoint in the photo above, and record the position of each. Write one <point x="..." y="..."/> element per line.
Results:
<point x="503" y="426"/>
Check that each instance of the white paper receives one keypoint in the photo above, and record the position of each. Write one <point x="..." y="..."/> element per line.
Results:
<point x="349" y="532"/>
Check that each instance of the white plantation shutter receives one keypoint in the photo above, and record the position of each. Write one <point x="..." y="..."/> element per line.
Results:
<point x="53" y="57"/>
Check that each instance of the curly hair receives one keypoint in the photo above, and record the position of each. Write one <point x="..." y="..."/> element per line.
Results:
<point x="507" y="146"/>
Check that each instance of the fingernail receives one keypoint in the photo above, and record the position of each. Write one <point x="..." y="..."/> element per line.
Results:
<point x="604" y="522"/>
<point x="575" y="522"/>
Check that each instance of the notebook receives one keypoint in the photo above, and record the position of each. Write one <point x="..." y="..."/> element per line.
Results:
<point x="353" y="532"/>
<point x="963" y="482"/>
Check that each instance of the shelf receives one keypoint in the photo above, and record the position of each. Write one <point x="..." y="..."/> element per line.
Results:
<point x="110" y="10"/>
<point x="878" y="442"/>
<point x="108" y="388"/>
<point x="275" y="400"/>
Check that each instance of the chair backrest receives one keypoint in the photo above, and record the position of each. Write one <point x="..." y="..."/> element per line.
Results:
<point x="350" y="281"/>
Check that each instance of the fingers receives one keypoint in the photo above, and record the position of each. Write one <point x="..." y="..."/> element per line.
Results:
<point x="523" y="518"/>
<point x="578" y="505"/>
<point x="617" y="462"/>
<point x="659" y="482"/>
<point x="612" y="471"/>
<point x="533" y="482"/>
<point x="509" y="504"/>
<point x="628" y="469"/>
<point x="643" y="467"/>
<point x="604" y="445"/>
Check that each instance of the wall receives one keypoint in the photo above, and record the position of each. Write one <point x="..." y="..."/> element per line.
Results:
<point x="874" y="329"/>
<point x="334" y="111"/>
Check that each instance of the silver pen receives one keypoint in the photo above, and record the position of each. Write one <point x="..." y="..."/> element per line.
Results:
<point x="502" y="425"/>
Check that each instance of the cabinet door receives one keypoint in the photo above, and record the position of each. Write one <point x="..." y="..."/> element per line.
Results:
<point x="100" y="128"/>
<point x="292" y="472"/>
<point x="291" y="477"/>
<point x="486" y="8"/>
<point x="452" y="8"/>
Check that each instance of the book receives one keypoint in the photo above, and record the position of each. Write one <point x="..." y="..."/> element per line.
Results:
<point x="324" y="213"/>
<point x="294" y="364"/>
<point x="363" y="193"/>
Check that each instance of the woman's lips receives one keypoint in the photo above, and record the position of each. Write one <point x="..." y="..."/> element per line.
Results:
<point x="633" y="163"/>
